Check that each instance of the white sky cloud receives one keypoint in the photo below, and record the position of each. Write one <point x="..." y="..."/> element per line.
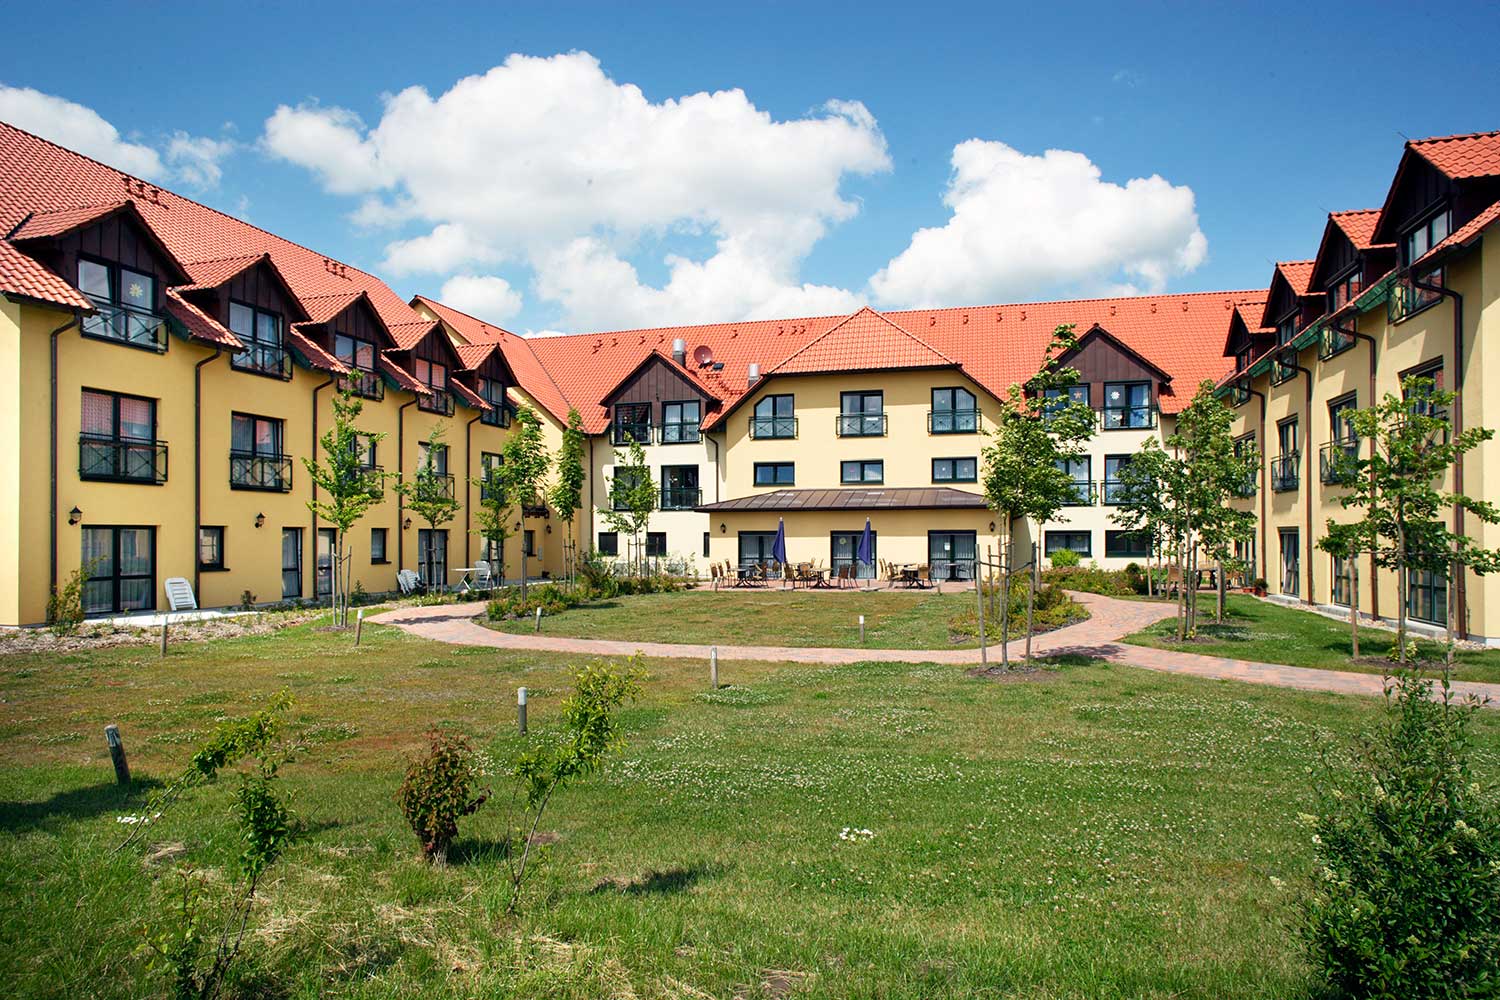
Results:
<point x="191" y="160"/>
<point x="550" y="163"/>
<point x="486" y="296"/>
<point x="1027" y="226"/>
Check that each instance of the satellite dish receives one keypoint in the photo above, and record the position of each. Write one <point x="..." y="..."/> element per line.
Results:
<point x="703" y="355"/>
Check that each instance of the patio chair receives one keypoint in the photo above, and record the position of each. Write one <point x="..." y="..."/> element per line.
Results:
<point x="484" y="578"/>
<point x="410" y="583"/>
<point x="924" y="576"/>
<point x="713" y="576"/>
<point x="180" y="594"/>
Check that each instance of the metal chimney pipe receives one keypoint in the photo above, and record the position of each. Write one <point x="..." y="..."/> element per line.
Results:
<point x="679" y="351"/>
<point x="754" y="373"/>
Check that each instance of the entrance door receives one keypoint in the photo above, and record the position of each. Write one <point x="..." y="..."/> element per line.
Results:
<point x="1291" y="562"/>
<point x="951" y="554"/>
<point x="291" y="562"/>
<point x="324" y="581"/>
<point x="845" y="546"/>
<point x="432" y="556"/>
<point x="123" y="577"/>
<point x="755" y="548"/>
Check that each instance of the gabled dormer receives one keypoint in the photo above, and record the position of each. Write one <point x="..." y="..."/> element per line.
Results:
<point x="1290" y="307"/>
<point x="658" y="401"/>
<point x="1247" y="339"/>
<point x="424" y="349"/>
<point x="1348" y="259"/>
<point x="112" y="255"/>
<point x="248" y="296"/>
<point x="1119" y="383"/>
<point x="484" y="365"/>
<point x="344" y="334"/>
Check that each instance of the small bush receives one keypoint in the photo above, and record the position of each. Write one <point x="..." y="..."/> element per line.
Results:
<point x="1091" y="579"/>
<point x="65" y="605"/>
<point x="435" y="793"/>
<point x="1053" y="609"/>
<point x="1405" y="901"/>
<point x="1064" y="559"/>
<point x="247" y="601"/>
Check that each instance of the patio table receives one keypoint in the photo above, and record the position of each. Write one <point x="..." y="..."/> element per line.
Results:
<point x="465" y="576"/>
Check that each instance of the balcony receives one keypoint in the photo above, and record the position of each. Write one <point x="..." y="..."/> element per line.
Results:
<point x="1282" y="372"/>
<point x="773" y="427"/>
<point x="1113" y="492"/>
<point x="952" y="421"/>
<point x="263" y="359"/>
<point x="1407" y="299"/>
<point x="860" y="424"/>
<point x="499" y="416"/>
<point x="1250" y="486"/>
<point x="1085" y="494"/>
<point x="490" y="487"/>
<point x="113" y="460"/>
<point x="376" y="478"/>
<point x="679" y="432"/>
<point x="1284" y="472"/>
<point x="631" y="431"/>
<point x="439" y="401"/>
<point x="1128" y="418"/>
<point x="1332" y="343"/>
<point x="364" y="383"/>
<point x="439" y="484"/>
<point x="680" y="497"/>
<point x="255" y="471"/>
<point x="1238" y="395"/>
<point x="1338" y="462"/>
<point x="535" y="510"/>
<point x="124" y="325"/>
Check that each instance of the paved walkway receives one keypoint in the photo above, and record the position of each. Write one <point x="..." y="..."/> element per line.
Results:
<point x="1109" y="619"/>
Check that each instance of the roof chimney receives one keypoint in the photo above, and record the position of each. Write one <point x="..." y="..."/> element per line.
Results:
<point x="754" y="373"/>
<point x="679" y="351"/>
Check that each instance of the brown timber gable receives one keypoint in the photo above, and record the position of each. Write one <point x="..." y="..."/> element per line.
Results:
<point x="656" y="381"/>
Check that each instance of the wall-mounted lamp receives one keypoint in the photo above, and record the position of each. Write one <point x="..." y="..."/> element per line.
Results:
<point x="518" y="525"/>
<point x="406" y="524"/>
<point x="992" y="526"/>
<point x="723" y="527"/>
<point x="260" y="520"/>
<point x="549" y="529"/>
<point x="75" y="515"/>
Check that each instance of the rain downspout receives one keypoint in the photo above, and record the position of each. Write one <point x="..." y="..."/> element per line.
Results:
<point x="401" y="481"/>
<point x="198" y="466"/>
<point x="52" y="522"/>
<point x="468" y="496"/>
<point x="1460" y="591"/>
<point x="1307" y="451"/>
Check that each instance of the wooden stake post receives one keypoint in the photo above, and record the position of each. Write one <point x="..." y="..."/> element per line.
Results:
<point x="117" y="754"/>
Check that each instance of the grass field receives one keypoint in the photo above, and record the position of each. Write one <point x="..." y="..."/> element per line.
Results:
<point x="893" y="619"/>
<point x="1271" y="633"/>
<point x="1093" y="831"/>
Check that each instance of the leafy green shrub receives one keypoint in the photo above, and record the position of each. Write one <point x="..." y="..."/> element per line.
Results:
<point x="435" y="793"/>
<point x="1053" y="609"/>
<point x="1406" y="900"/>
<point x="1091" y="579"/>
<point x="1064" y="559"/>
<point x="65" y="605"/>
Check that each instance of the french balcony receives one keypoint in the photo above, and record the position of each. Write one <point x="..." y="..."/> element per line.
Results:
<point x="1332" y="343"/>
<point x="124" y="325"/>
<point x="439" y="401"/>
<point x="497" y="416"/>
<point x="680" y="497"/>
<point x="263" y="359"/>
<point x="773" y="427"/>
<point x="441" y="484"/>
<point x="1085" y="494"/>
<point x="259" y="471"/>
<point x="363" y="383"/>
<point x="1112" y="491"/>
<point x="121" y="460"/>
<point x="1249" y="486"/>
<point x="1284" y="477"/>
<point x="860" y="424"/>
<point x="1338" y="462"/>
<point x="490" y="487"/>
<point x="679" y="432"/>
<point x="1128" y="418"/>
<point x="1407" y="299"/>
<point x="375" y="477"/>
<point x="628" y="433"/>
<point x="952" y="421"/>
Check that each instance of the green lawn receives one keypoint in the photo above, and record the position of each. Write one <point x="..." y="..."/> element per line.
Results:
<point x="1273" y="633"/>
<point x="776" y="617"/>
<point x="1093" y="831"/>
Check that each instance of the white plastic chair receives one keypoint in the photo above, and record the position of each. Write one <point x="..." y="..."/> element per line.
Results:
<point x="483" y="576"/>
<point x="180" y="594"/>
<point x="409" y="582"/>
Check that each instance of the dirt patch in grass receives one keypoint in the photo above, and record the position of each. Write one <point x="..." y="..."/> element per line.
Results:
<point x="102" y="635"/>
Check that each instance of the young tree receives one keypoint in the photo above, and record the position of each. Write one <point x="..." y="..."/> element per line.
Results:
<point x="1152" y="496"/>
<point x="523" y="471"/>
<point x="492" y="516"/>
<point x="1395" y="489"/>
<point x="1347" y="542"/>
<point x="430" y="493"/>
<point x="347" y="487"/>
<point x="632" y="495"/>
<point x="1204" y="436"/>
<point x="1041" y="428"/>
<point x="567" y="492"/>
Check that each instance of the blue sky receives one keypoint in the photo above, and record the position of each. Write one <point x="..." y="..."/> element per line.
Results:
<point x="1257" y="120"/>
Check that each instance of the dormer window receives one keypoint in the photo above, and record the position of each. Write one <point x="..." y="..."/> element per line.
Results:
<point x="435" y="377"/>
<point x="260" y="332"/>
<point x="359" y="356"/>
<point x="1425" y="235"/>
<point x="1242" y="359"/>
<point x="1286" y="329"/>
<point x="126" y="304"/>
<point x="492" y="391"/>
<point x="632" y="423"/>
<point x="1345" y="289"/>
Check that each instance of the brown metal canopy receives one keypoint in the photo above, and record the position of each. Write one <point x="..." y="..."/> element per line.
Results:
<point x="925" y="498"/>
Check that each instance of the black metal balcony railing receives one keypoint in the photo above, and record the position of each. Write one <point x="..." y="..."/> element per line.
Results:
<point x="535" y="510"/>
<point x="439" y="401"/>
<point x="263" y="359"/>
<point x="1249" y="486"/>
<point x="1112" y="492"/>
<point x="439" y="483"/>
<point x="860" y="424"/>
<point x="125" y="325"/>
<point x="1121" y="418"/>
<point x="121" y="460"/>
<point x="1239" y="394"/>
<point x="952" y="421"/>
<point x="680" y="497"/>
<point x="490" y="486"/>
<point x="679" y="432"/>
<point x="256" y="471"/>
<point x="1284" y="472"/>
<point x="773" y="427"/>
<point x="1085" y="494"/>
<point x="1333" y="342"/>
<point x="628" y="432"/>
<point x="363" y="383"/>
<point x="1282" y="372"/>
<point x="1337" y="462"/>
<point x="1407" y="299"/>
<point x="499" y="416"/>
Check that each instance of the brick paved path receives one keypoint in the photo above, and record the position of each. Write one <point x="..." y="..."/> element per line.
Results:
<point x="1109" y="619"/>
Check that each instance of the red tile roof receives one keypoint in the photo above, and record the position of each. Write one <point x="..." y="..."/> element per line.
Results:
<point x="1359" y="226"/>
<point x="534" y="379"/>
<point x="1475" y="154"/>
<point x="37" y="176"/>
<point x="42" y="224"/>
<point x="864" y="341"/>
<point x="473" y="355"/>
<point x="1297" y="274"/>
<point x="312" y="354"/>
<point x="469" y="395"/>
<point x="208" y="274"/>
<point x="200" y="325"/>
<point x="409" y="335"/>
<point x="403" y="378"/>
<point x="1464" y="234"/>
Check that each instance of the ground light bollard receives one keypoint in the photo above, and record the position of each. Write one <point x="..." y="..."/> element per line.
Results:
<point x="163" y="639"/>
<point x="713" y="667"/>
<point x="538" y="620"/>
<point x="359" y="624"/>
<point x="861" y="630"/>
<point x="117" y="754"/>
<point x="984" y="657"/>
<point x="521" y="710"/>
